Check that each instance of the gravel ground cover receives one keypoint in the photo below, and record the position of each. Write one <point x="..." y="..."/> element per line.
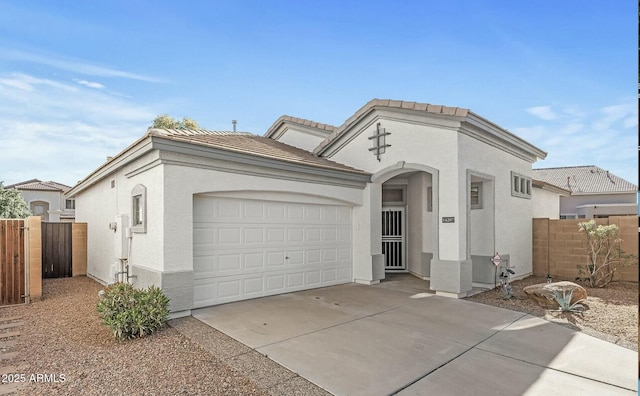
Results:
<point x="63" y="336"/>
<point x="612" y="313"/>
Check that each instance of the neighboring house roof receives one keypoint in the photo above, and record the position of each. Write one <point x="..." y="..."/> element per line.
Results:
<point x="247" y="143"/>
<point x="508" y="140"/>
<point x="588" y="179"/>
<point x="37" y="185"/>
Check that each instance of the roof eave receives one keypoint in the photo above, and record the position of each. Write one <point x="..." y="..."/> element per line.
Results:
<point x="505" y="137"/>
<point x="135" y="150"/>
<point x="551" y="187"/>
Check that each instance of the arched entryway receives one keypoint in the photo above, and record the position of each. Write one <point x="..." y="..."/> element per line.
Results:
<point x="408" y="226"/>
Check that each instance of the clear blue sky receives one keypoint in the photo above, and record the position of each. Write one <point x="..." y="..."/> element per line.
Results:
<point x="81" y="80"/>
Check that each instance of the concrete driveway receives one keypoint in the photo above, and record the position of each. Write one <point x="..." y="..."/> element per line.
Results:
<point x="396" y="338"/>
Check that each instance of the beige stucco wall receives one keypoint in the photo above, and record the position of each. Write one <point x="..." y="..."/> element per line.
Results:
<point x="34" y="254"/>
<point x="79" y="249"/>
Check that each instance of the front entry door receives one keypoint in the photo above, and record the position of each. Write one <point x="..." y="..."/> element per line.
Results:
<point x="393" y="238"/>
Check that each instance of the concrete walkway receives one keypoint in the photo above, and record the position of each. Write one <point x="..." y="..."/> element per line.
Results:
<point x="395" y="338"/>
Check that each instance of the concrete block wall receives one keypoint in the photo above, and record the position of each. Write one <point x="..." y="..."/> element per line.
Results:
<point x="79" y="249"/>
<point x="559" y="247"/>
<point x="34" y="254"/>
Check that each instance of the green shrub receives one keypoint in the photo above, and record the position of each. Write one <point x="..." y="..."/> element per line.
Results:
<point x="131" y="312"/>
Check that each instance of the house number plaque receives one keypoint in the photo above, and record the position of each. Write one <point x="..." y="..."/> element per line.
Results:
<point x="448" y="219"/>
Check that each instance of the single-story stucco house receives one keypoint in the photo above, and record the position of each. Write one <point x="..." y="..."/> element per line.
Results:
<point x="214" y="217"/>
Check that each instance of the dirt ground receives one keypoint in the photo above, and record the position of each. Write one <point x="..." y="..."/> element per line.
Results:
<point x="63" y="338"/>
<point x="612" y="313"/>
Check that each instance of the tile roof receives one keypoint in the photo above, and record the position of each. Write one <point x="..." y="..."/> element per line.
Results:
<point x="584" y="179"/>
<point x="324" y="128"/>
<point x="37" y="185"/>
<point x="247" y="143"/>
<point x="398" y="104"/>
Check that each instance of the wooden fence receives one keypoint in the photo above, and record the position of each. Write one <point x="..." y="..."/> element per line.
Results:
<point x="12" y="262"/>
<point x="558" y="247"/>
<point x="56" y="250"/>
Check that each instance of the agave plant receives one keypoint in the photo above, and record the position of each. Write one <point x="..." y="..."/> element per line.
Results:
<point x="564" y="301"/>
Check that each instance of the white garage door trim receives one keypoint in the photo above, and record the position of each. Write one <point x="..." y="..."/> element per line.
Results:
<point x="247" y="248"/>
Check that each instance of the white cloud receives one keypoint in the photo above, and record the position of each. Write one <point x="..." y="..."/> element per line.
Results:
<point x="602" y="137"/>
<point x="74" y="65"/>
<point x="613" y="114"/>
<point x="543" y="112"/>
<point x="90" y="84"/>
<point x="59" y="131"/>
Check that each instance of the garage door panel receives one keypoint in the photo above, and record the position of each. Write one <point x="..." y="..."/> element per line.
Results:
<point x="296" y="257"/>
<point x="295" y="235"/>
<point x="229" y="262"/>
<point x="228" y="209"/>
<point x="330" y="275"/>
<point x="275" y="259"/>
<point x="253" y="287"/>
<point x="344" y="275"/>
<point x="276" y="283"/>
<point x="313" y="278"/>
<point x="275" y="211"/>
<point x="295" y="280"/>
<point x="330" y="255"/>
<point x="248" y="248"/>
<point x="295" y="213"/>
<point x="253" y="235"/>
<point x="275" y="235"/>
<point x="253" y="210"/>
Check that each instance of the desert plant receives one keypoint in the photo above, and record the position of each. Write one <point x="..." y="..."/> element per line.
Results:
<point x="507" y="291"/>
<point x="603" y="253"/>
<point x="564" y="301"/>
<point x="131" y="312"/>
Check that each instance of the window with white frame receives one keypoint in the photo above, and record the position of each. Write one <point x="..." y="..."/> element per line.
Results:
<point x="475" y="197"/>
<point x="70" y="204"/>
<point x="520" y="185"/>
<point x="139" y="209"/>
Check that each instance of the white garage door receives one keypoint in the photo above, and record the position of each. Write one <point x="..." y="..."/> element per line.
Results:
<point x="247" y="248"/>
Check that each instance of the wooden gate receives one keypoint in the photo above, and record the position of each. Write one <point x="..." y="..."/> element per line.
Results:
<point x="12" y="271"/>
<point x="56" y="250"/>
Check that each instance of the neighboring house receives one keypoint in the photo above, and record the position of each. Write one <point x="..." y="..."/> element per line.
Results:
<point x="593" y="192"/>
<point x="546" y="199"/>
<point x="214" y="217"/>
<point x="46" y="199"/>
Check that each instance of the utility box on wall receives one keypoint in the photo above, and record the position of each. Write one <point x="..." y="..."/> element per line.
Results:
<point x="121" y="245"/>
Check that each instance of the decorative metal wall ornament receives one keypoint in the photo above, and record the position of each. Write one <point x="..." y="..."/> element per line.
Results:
<point x="379" y="138"/>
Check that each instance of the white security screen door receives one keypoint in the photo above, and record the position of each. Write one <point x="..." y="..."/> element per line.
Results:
<point x="393" y="238"/>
